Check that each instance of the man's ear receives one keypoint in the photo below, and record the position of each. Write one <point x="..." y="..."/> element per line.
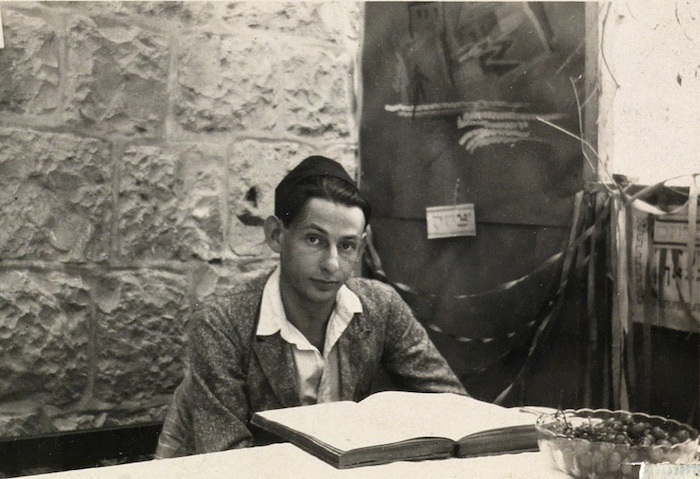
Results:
<point x="363" y="244"/>
<point x="274" y="230"/>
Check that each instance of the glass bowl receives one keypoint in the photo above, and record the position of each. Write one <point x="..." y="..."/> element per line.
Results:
<point x="597" y="443"/>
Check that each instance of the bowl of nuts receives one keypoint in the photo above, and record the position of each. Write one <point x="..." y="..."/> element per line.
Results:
<point x="597" y="443"/>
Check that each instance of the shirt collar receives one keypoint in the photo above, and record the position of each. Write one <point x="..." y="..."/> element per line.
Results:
<point x="274" y="319"/>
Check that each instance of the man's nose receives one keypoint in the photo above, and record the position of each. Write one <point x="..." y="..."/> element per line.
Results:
<point x="330" y="260"/>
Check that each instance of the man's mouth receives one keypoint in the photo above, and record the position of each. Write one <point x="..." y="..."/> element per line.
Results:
<point x="324" y="282"/>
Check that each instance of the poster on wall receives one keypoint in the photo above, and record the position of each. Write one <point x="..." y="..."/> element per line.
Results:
<point x="466" y="105"/>
<point x="455" y="96"/>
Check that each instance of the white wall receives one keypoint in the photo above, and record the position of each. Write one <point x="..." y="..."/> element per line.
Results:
<point x="649" y="128"/>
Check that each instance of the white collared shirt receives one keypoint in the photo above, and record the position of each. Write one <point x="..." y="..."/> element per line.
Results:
<point x="318" y="376"/>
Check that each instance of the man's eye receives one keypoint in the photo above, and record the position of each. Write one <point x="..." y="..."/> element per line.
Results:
<point x="311" y="239"/>
<point x="348" y="246"/>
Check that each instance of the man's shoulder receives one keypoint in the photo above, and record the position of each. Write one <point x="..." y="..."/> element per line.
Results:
<point x="372" y="292"/>
<point x="237" y="306"/>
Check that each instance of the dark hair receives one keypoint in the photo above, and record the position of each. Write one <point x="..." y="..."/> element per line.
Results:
<point x="288" y="207"/>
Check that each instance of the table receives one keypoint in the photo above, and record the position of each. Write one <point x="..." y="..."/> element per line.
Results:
<point x="287" y="461"/>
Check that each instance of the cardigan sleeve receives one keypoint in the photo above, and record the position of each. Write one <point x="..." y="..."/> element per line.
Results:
<point x="410" y="357"/>
<point x="219" y="403"/>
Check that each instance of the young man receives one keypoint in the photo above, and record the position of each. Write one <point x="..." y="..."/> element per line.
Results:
<point x="307" y="333"/>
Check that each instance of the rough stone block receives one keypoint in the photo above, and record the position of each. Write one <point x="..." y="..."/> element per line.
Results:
<point x="74" y="422"/>
<point x="161" y="13"/>
<point x="141" y="337"/>
<point x="248" y="83"/>
<point x="29" y="76"/>
<point x="170" y="202"/>
<point x="55" y="196"/>
<point x="186" y="13"/>
<point x="333" y="22"/>
<point x="25" y="423"/>
<point x="315" y="92"/>
<point x="225" y="86"/>
<point x="44" y="334"/>
<point x="117" y="77"/>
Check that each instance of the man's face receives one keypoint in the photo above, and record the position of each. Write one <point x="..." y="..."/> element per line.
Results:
<point x="319" y="250"/>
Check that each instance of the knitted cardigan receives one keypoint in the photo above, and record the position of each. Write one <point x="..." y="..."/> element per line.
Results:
<point x="233" y="373"/>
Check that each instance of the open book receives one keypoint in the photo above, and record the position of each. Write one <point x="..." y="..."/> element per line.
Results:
<point x="394" y="425"/>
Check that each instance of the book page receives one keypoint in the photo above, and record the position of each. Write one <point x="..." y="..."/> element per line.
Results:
<point x="394" y="416"/>
<point x="343" y="425"/>
<point x="442" y="414"/>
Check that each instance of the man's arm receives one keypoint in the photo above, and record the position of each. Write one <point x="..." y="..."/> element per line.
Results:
<point x="219" y="404"/>
<point x="410" y="357"/>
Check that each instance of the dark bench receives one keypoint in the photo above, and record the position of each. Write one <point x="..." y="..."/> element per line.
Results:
<point x="78" y="449"/>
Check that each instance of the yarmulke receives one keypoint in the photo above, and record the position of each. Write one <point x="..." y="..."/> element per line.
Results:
<point x="312" y="166"/>
<point x="316" y="166"/>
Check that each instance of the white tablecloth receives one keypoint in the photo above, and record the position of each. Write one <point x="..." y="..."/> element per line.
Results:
<point x="287" y="461"/>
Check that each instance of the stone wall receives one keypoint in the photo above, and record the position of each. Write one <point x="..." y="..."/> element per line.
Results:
<point x="140" y="143"/>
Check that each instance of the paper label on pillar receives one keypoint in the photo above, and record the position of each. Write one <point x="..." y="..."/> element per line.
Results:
<point x="451" y="221"/>
<point x="663" y="265"/>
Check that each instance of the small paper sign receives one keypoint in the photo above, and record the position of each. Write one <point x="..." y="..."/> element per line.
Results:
<point x="451" y="221"/>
